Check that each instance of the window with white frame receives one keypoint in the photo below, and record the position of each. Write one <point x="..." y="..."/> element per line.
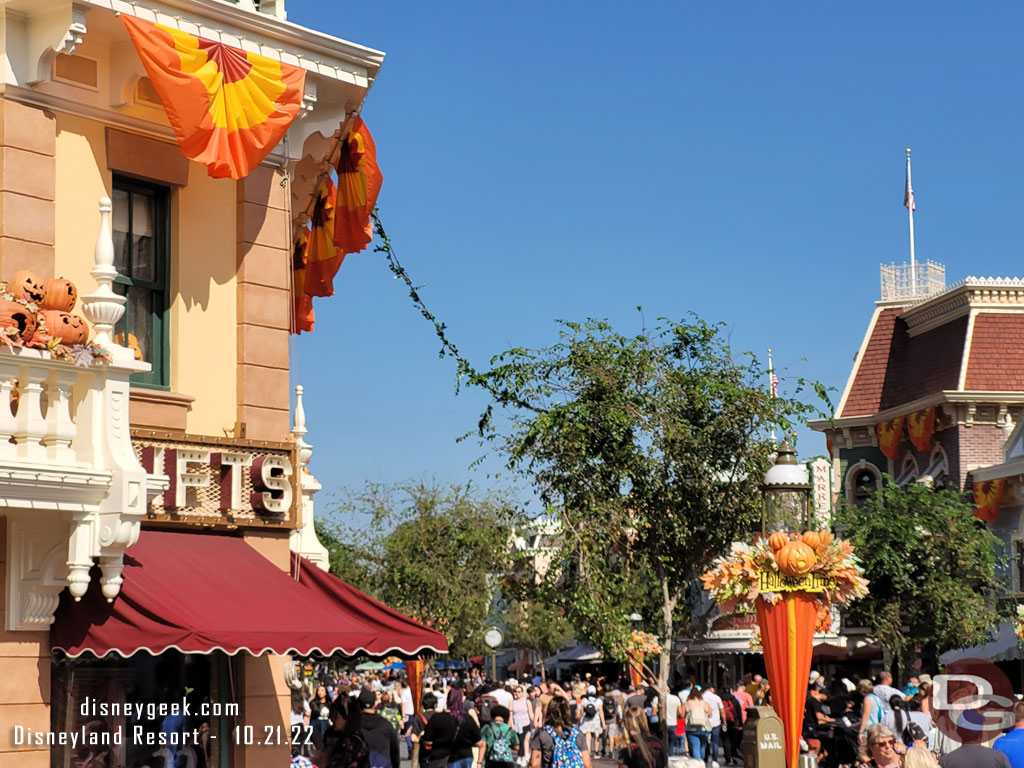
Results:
<point x="862" y="480"/>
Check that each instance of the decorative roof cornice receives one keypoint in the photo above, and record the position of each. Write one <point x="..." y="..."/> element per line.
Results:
<point x="1003" y="293"/>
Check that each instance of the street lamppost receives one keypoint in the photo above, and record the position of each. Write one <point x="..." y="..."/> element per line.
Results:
<point x="785" y="494"/>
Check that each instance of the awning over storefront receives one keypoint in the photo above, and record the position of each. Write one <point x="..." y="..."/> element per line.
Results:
<point x="199" y="593"/>
<point x="397" y="634"/>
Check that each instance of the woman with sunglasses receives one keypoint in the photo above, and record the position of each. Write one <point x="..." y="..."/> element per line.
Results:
<point x="881" y="748"/>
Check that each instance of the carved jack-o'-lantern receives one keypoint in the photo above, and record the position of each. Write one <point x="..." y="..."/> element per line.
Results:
<point x="15" y="315"/>
<point x="68" y="329"/>
<point x="795" y="558"/>
<point x="777" y="541"/>
<point x="60" y="294"/>
<point x="26" y="284"/>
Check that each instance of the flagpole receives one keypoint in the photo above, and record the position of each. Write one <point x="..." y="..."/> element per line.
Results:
<point x="771" y="384"/>
<point x="910" y="214"/>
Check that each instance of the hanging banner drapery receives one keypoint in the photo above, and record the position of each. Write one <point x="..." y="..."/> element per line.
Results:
<point x="414" y="674"/>
<point x="322" y="257"/>
<point x="787" y="636"/>
<point x="228" y="107"/>
<point x="987" y="497"/>
<point x="359" y="180"/>
<point x="921" y="427"/>
<point x="889" y="433"/>
<point x="302" y="302"/>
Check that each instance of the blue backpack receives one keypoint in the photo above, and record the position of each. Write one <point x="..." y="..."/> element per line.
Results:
<point x="566" y="754"/>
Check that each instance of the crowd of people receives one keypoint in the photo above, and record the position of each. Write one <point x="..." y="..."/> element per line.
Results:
<point x="471" y="722"/>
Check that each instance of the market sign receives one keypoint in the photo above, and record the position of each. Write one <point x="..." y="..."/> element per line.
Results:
<point x="222" y="481"/>
<point x="774" y="581"/>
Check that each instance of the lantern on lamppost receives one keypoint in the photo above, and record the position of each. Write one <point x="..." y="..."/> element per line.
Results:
<point x="785" y="494"/>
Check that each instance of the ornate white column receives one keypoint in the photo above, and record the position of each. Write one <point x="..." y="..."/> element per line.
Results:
<point x="303" y="539"/>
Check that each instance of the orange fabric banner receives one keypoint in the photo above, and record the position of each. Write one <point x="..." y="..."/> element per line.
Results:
<point x="228" y="107"/>
<point x="359" y="180"/>
<point x="302" y="302"/>
<point x="889" y="433"/>
<point x="787" y="636"/>
<point x="987" y="497"/>
<point x="322" y="258"/>
<point x="635" y="671"/>
<point x="921" y="427"/>
<point x="414" y="673"/>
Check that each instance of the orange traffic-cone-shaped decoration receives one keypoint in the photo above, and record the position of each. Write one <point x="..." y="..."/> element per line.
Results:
<point x="414" y="674"/>
<point x="636" y="675"/>
<point x="787" y="636"/>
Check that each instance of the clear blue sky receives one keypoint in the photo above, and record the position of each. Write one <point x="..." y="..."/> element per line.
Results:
<point x="741" y="160"/>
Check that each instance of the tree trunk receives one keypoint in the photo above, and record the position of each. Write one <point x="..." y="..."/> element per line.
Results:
<point x="543" y="672"/>
<point x="668" y="605"/>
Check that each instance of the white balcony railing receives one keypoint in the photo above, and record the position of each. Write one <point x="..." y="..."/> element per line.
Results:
<point x="71" y="489"/>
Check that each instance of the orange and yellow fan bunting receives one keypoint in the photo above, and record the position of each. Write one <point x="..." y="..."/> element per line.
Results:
<point x="921" y="427"/>
<point x="323" y="258"/>
<point x="302" y="302"/>
<point x="889" y="433"/>
<point x="987" y="498"/>
<point x="228" y="107"/>
<point x="359" y="180"/>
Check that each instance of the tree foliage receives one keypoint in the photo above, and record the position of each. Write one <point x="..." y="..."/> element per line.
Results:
<point x="537" y="626"/>
<point x="932" y="566"/>
<point x="435" y="554"/>
<point x="649" y="449"/>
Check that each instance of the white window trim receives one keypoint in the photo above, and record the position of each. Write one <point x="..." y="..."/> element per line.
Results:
<point x="908" y="472"/>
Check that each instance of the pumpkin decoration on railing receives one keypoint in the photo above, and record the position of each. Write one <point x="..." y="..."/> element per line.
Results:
<point x="25" y="284"/>
<point x="17" y="321"/>
<point x="65" y="328"/>
<point x="59" y="295"/>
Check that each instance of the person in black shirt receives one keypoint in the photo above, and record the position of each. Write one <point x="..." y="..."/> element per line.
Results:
<point x="380" y="736"/>
<point x="419" y="723"/>
<point x="450" y="736"/>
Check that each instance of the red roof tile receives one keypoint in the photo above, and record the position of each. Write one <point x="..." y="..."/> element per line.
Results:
<point x="897" y="368"/>
<point x="996" y="362"/>
<point x="866" y="392"/>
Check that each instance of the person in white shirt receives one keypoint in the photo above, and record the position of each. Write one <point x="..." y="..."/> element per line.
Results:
<point x="714" y="722"/>
<point x="503" y="697"/>
<point x="672" y="706"/>
<point x="885" y="691"/>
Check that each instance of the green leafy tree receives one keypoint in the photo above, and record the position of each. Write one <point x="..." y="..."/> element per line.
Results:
<point x="649" y="449"/>
<point x="932" y="566"/>
<point x="539" y="627"/>
<point x="436" y="554"/>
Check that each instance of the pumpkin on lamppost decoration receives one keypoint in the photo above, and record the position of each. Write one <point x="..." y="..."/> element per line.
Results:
<point x="795" y="558"/>
<point x="59" y="294"/>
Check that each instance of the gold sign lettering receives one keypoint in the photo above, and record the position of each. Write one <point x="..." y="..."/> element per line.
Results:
<point x="772" y="581"/>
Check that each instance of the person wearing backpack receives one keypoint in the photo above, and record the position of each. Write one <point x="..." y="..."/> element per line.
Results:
<point x="343" y="743"/>
<point x="501" y="739"/>
<point x="558" y="744"/>
<point x="698" y="723"/>
<point x="428" y="706"/>
<point x="591" y="718"/>
<point x="612" y="715"/>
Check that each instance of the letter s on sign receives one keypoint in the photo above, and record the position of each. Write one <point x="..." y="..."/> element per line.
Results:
<point x="271" y="481"/>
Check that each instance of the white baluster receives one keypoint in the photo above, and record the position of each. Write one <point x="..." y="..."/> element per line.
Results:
<point x="31" y="427"/>
<point x="60" y="429"/>
<point x="8" y="425"/>
<point x="103" y="308"/>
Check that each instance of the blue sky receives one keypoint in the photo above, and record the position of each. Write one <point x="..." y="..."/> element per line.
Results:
<point x="570" y="159"/>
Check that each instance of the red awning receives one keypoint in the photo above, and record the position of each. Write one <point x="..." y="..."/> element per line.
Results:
<point x="199" y="592"/>
<point x="404" y="636"/>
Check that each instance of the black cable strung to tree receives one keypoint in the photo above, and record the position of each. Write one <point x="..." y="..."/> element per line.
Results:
<point x="464" y="369"/>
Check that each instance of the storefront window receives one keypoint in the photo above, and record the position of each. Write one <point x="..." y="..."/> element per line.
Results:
<point x="168" y="711"/>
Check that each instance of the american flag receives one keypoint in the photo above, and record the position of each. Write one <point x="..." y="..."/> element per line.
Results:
<point x="774" y="384"/>
<point x="908" y="193"/>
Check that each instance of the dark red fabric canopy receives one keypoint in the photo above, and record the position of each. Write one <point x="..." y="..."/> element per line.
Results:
<point x="201" y="592"/>
<point x="416" y="638"/>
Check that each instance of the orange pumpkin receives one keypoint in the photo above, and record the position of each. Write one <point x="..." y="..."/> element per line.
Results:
<point x="61" y="295"/>
<point x="777" y="541"/>
<point x="66" y="328"/>
<point x="15" y="315"/>
<point x="812" y="539"/>
<point x="826" y="539"/>
<point x="795" y="558"/>
<point x="26" y="284"/>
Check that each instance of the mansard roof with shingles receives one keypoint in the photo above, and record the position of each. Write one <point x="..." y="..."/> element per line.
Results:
<point x="968" y="338"/>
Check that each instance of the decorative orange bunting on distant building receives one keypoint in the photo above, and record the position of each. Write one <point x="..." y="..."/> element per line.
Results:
<point x="987" y="497"/>
<point x="302" y="302"/>
<point x="359" y="181"/>
<point x="920" y="427"/>
<point x="228" y="107"/>
<point x="889" y="433"/>
<point x="323" y="258"/>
